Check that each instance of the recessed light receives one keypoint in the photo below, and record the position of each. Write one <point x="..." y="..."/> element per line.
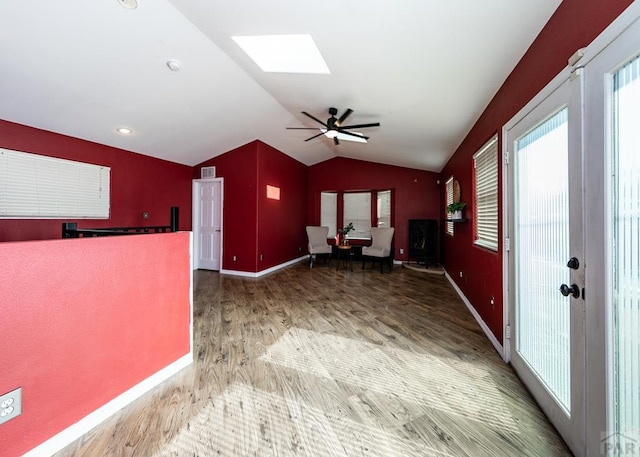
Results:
<point x="173" y="65"/>
<point x="129" y="4"/>
<point x="124" y="130"/>
<point x="284" y="53"/>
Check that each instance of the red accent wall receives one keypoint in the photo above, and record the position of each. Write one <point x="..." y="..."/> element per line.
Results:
<point x="281" y="223"/>
<point x="138" y="183"/>
<point x="254" y="225"/>
<point x="416" y="194"/>
<point x="73" y="340"/>
<point x="574" y="25"/>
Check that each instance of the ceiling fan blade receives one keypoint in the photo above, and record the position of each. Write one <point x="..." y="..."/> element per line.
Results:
<point x="344" y="116"/>
<point x="314" y="118"/>
<point x="335" y="141"/>
<point x="303" y="128"/>
<point x="314" y="136"/>
<point x="361" y="126"/>
<point x="344" y="132"/>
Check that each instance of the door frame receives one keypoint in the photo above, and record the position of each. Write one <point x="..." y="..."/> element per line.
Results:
<point x="195" y="217"/>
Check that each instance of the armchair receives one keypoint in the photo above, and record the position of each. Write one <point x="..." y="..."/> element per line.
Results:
<point x="380" y="249"/>
<point x="318" y="243"/>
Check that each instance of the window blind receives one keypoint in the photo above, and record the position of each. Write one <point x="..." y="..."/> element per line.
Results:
<point x="448" y="200"/>
<point x="329" y="212"/>
<point x="485" y="209"/>
<point x="357" y="210"/>
<point x="35" y="186"/>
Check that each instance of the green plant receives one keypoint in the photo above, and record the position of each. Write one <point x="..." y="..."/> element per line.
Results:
<point x="456" y="206"/>
<point x="347" y="229"/>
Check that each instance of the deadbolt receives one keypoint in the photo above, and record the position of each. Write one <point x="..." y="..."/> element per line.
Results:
<point x="573" y="263"/>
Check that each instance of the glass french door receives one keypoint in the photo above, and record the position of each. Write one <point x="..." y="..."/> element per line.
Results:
<point x="546" y="260"/>
<point x="572" y="261"/>
<point x="612" y="149"/>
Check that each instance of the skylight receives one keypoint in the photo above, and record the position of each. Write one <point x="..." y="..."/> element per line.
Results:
<point x="284" y="53"/>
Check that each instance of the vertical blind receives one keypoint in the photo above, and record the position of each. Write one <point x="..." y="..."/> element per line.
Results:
<point x="357" y="210"/>
<point x="34" y="186"/>
<point x="329" y="212"/>
<point x="541" y="252"/>
<point x="485" y="209"/>
<point x="626" y="247"/>
<point x="448" y="200"/>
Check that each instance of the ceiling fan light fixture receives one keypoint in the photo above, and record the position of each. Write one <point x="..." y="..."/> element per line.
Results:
<point x="342" y="136"/>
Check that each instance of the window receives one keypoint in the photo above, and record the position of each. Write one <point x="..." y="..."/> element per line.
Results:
<point x="329" y="212"/>
<point x="35" y="186"/>
<point x="448" y="199"/>
<point x="362" y="209"/>
<point x="383" y="208"/>
<point x="485" y="185"/>
<point x="357" y="210"/>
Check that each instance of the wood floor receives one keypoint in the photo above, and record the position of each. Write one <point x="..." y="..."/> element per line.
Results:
<point x="331" y="363"/>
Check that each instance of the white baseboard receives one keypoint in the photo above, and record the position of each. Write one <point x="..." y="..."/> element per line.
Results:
<point x="249" y="274"/>
<point x="485" y="328"/>
<point x="84" y="425"/>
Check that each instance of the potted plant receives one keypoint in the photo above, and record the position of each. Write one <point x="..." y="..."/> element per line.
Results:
<point x="455" y="209"/>
<point x="345" y="231"/>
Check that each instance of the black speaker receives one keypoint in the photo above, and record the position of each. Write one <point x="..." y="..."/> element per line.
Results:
<point x="423" y="241"/>
<point x="174" y="218"/>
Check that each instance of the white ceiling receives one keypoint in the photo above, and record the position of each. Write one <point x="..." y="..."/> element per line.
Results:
<point x="424" y="69"/>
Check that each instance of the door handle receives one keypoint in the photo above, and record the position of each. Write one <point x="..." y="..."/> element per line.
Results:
<point x="573" y="289"/>
<point x="217" y="230"/>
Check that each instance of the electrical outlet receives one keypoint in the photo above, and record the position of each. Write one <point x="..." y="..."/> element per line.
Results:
<point x="261" y="257"/>
<point x="493" y="302"/>
<point x="401" y="251"/>
<point x="145" y="215"/>
<point x="461" y="274"/>
<point x="235" y="258"/>
<point x="10" y="405"/>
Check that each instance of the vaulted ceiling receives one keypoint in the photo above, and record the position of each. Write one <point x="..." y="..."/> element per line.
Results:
<point x="424" y="69"/>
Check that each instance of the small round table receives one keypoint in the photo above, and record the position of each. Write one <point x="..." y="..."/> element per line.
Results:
<point x="346" y="248"/>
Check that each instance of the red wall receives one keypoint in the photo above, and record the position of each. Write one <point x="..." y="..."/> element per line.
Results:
<point x="416" y="194"/>
<point x="254" y="225"/>
<point x="138" y="183"/>
<point x="239" y="169"/>
<point x="281" y="223"/>
<point x="72" y="340"/>
<point x="574" y="25"/>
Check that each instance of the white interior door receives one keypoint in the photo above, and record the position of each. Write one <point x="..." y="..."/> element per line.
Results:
<point x="545" y="257"/>
<point x="208" y="223"/>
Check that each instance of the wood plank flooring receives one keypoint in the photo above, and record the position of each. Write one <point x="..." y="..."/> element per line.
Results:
<point x="331" y="363"/>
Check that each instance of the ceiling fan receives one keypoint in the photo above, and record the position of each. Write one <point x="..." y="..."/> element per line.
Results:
<point x="335" y="129"/>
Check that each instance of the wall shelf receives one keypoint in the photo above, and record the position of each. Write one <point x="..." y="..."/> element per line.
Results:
<point x="456" y="220"/>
